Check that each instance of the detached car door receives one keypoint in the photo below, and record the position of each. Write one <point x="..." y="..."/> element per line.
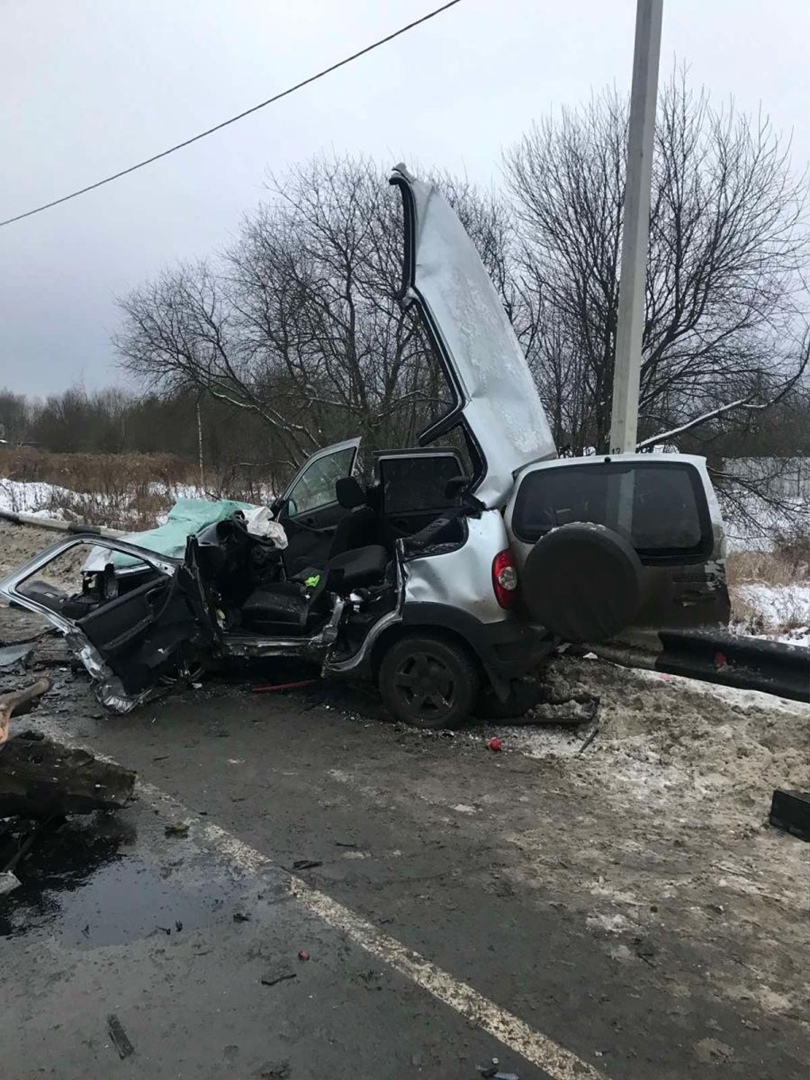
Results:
<point x="638" y="534"/>
<point x="309" y="510"/>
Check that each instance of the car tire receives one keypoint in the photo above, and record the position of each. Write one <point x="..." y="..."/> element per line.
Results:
<point x="583" y="582"/>
<point x="523" y="695"/>
<point x="429" y="682"/>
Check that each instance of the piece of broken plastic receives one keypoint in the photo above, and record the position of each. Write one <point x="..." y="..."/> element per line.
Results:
<point x="8" y="882"/>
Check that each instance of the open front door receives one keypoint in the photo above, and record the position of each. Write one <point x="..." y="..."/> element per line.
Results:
<point x="639" y="534"/>
<point x="309" y="511"/>
<point x="136" y="626"/>
<point x="147" y="631"/>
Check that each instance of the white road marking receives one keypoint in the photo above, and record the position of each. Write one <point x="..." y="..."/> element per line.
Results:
<point x="539" y="1049"/>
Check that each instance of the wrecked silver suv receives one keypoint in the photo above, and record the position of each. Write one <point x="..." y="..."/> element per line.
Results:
<point x="445" y="580"/>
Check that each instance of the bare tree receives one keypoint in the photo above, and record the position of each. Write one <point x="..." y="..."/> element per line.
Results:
<point x="299" y="322"/>
<point x="725" y="299"/>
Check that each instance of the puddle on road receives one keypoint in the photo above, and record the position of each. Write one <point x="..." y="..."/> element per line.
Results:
<point x="85" y="887"/>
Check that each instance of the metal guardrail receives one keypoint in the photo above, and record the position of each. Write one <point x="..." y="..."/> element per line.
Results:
<point x="56" y="525"/>
<point x="716" y="656"/>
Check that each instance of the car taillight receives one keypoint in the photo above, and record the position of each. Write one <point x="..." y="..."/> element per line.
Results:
<point x="504" y="578"/>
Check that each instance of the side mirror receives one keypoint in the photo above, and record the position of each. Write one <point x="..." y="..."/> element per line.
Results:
<point x="277" y="505"/>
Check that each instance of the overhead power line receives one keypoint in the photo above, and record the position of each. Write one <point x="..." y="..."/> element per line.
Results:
<point x="233" y="119"/>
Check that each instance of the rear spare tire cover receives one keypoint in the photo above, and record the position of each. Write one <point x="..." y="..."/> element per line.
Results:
<point x="583" y="582"/>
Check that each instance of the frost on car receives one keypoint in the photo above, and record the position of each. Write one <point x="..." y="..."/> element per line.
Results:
<point x="448" y="575"/>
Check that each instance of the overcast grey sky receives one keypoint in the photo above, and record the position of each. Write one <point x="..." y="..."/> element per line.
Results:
<point x="91" y="86"/>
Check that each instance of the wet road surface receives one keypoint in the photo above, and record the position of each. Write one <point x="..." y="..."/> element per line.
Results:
<point x="168" y="938"/>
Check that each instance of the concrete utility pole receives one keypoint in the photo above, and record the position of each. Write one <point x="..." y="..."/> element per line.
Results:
<point x="636" y="228"/>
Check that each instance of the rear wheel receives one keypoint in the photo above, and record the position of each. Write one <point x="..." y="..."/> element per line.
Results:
<point x="429" y="681"/>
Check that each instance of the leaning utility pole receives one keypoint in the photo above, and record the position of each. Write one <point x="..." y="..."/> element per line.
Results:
<point x="636" y="227"/>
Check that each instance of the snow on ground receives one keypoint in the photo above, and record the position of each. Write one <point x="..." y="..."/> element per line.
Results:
<point x="785" y="610"/>
<point x="36" y="498"/>
<point x="33" y="497"/>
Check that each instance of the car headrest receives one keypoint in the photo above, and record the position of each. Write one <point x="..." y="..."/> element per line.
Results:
<point x="349" y="493"/>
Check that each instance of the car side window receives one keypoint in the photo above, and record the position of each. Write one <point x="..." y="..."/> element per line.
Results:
<point x="316" y="487"/>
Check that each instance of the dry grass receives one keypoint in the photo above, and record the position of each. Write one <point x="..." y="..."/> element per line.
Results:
<point x="102" y="474"/>
<point x="780" y="570"/>
<point x="123" y="491"/>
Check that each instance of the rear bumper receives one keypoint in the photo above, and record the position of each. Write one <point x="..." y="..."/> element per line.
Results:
<point x="508" y="648"/>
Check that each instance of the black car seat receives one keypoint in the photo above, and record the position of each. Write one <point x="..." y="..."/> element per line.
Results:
<point x="359" y="527"/>
<point x="291" y="609"/>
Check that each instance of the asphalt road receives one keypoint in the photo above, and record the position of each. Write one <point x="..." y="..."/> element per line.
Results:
<point x="427" y="933"/>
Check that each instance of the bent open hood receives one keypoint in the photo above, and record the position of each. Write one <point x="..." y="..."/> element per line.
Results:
<point x="495" y="392"/>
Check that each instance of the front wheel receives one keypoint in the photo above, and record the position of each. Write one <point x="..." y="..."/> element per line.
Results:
<point x="429" y="682"/>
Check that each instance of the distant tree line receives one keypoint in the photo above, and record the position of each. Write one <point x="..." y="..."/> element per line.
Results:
<point x="117" y="422"/>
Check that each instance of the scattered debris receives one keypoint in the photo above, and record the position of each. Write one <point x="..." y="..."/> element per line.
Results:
<point x="495" y="744"/>
<point x="282" y="686"/>
<point x="303" y="955"/>
<point x="177" y="828"/>
<point x="241" y="916"/>
<point x="14" y="654"/>
<point x="790" y="811"/>
<point x="119" y="1037"/>
<point x="589" y="740"/>
<point x="277" y="975"/>
<point x="307" y="864"/>
<point x="19" y="702"/>
<point x="279" y="1070"/>
<point x="42" y="779"/>
<point x="8" y="882"/>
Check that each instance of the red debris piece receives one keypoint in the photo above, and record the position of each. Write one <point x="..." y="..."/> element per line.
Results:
<point x="720" y="661"/>
<point x="303" y="955"/>
<point x="282" y="686"/>
<point x="495" y="744"/>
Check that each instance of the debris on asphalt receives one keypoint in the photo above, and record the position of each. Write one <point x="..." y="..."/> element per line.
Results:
<point x="492" y="1072"/>
<point x="303" y="955"/>
<point x="589" y="740"/>
<point x="241" y="916"/>
<point x="19" y="702"/>
<point x="495" y="744"/>
<point x="177" y="828"/>
<point x="278" y="974"/>
<point x="8" y="882"/>
<point x="282" y="686"/>
<point x="42" y="779"/>
<point x="790" y="812"/>
<point x="119" y="1037"/>
<point x="14" y="654"/>
<point x="306" y="864"/>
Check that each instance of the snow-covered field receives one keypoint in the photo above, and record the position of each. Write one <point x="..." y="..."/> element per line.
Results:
<point x="38" y="499"/>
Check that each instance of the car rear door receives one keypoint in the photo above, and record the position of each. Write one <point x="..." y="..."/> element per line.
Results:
<point x="663" y="505"/>
<point x="412" y="487"/>
<point x="496" y="399"/>
<point x="309" y="510"/>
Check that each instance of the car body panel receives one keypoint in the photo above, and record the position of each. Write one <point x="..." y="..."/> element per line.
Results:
<point x="495" y="393"/>
<point x="462" y="577"/>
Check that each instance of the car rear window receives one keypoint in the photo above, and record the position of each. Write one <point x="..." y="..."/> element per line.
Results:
<point x="661" y="507"/>
<point x="416" y="483"/>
